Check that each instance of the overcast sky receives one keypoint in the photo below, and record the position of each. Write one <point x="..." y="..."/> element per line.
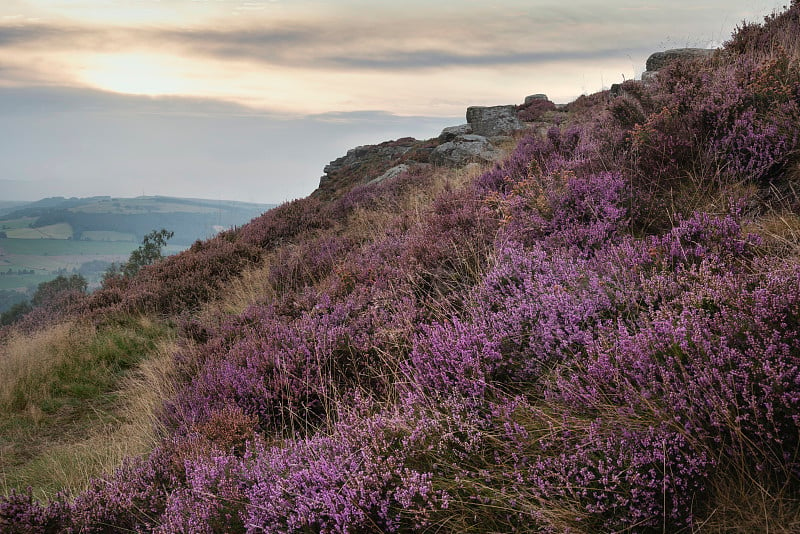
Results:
<point x="249" y="99"/>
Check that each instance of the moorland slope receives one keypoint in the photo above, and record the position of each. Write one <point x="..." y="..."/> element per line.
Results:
<point x="597" y="332"/>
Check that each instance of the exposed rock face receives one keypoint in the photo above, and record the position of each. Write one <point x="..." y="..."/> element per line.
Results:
<point x="493" y="121"/>
<point x="473" y="143"/>
<point x="394" y="172"/>
<point x="649" y="75"/>
<point x="659" y="60"/>
<point x="451" y="132"/>
<point x="465" y="149"/>
<point x="362" y="164"/>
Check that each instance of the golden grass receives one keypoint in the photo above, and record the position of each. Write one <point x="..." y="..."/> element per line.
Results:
<point x="25" y="359"/>
<point x="742" y="502"/>
<point x="83" y="438"/>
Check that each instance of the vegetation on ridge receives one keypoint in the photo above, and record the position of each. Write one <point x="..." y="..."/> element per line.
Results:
<point x="600" y="334"/>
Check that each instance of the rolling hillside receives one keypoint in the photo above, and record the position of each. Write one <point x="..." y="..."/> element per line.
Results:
<point x="587" y="322"/>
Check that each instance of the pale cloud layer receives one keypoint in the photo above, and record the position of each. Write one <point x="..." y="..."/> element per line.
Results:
<point x="275" y="70"/>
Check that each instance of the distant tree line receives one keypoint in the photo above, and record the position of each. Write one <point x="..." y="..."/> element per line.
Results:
<point x="18" y="272"/>
<point x="10" y="297"/>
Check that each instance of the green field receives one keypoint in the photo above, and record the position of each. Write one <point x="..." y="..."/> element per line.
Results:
<point x="54" y="231"/>
<point x="100" y="235"/>
<point x="49" y="257"/>
<point x="37" y="244"/>
<point x="64" y="247"/>
<point x="12" y="224"/>
<point x="131" y="206"/>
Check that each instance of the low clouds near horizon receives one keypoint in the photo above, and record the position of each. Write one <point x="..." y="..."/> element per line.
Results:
<point x="237" y="99"/>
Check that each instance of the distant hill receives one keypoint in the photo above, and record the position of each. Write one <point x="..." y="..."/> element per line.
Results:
<point x="7" y="206"/>
<point x="130" y="219"/>
<point x="40" y="240"/>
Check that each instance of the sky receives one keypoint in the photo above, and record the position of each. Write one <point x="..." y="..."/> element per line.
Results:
<point x="249" y="99"/>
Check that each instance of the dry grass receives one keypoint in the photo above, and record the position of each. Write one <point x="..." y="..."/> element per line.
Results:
<point x="365" y="224"/>
<point x="743" y="502"/>
<point x="57" y="431"/>
<point x="103" y="444"/>
<point x="25" y="359"/>
<point x="781" y="232"/>
<point x="780" y="224"/>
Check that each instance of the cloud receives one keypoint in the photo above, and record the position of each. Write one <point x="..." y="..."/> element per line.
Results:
<point x="386" y="38"/>
<point x="44" y="100"/>
<point x="71" y="142"/>
<point x="441" y="59"/>
<point x="369" y="44"/>
<point x="46" y="35"/>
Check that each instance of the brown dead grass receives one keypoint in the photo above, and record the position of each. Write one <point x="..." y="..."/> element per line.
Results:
<point x="743" y="502"/>
<point x="65" y="449"/>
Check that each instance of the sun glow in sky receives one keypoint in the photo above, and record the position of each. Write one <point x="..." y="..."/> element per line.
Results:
<point x="399" y="65"/>
<point x="135" y="73"/>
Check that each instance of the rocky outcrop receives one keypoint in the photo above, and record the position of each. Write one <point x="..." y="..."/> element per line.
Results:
<point x="362" y="164"/>
<point x="530" y="99"/>
<point x="494" y="120"/>
<point x="451" y="132"/>
<point x="465" y="149"/>
<point x="477" y="142"/>
<point x="659" y="60"/>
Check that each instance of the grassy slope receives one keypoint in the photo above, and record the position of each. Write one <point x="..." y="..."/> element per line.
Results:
<point x="63" y="407"/>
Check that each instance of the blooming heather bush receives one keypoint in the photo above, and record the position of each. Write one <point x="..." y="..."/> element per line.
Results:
<point x="720" y="364"/>
<point x="535" y="109"/>
<point x="740" y="115"/>
<point x="288" y="372"/>
<point x="453" y="359"/>
<point x="309" y="262"/>
<point x="133" y="498"/>
<point x="778" y="30"/>
<point x="563" y="210"/>
<point x="622" y="477"/>
<point x="541" y="307"/>
<point x="20" y="513"/>
<point x="560" y="150"/>
<point x="383" y="195"/>
<point x="354" y="480"/>
<point x="211" y="501"/>
<point x="706" y="239"/>
<point x="283" y="223"/>
<point x="445" y="254"/>
<point x="177" y="283"/>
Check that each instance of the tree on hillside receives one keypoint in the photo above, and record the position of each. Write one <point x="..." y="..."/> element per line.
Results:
<point x="149" y="252"/>
<point x="57" y="294"/>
